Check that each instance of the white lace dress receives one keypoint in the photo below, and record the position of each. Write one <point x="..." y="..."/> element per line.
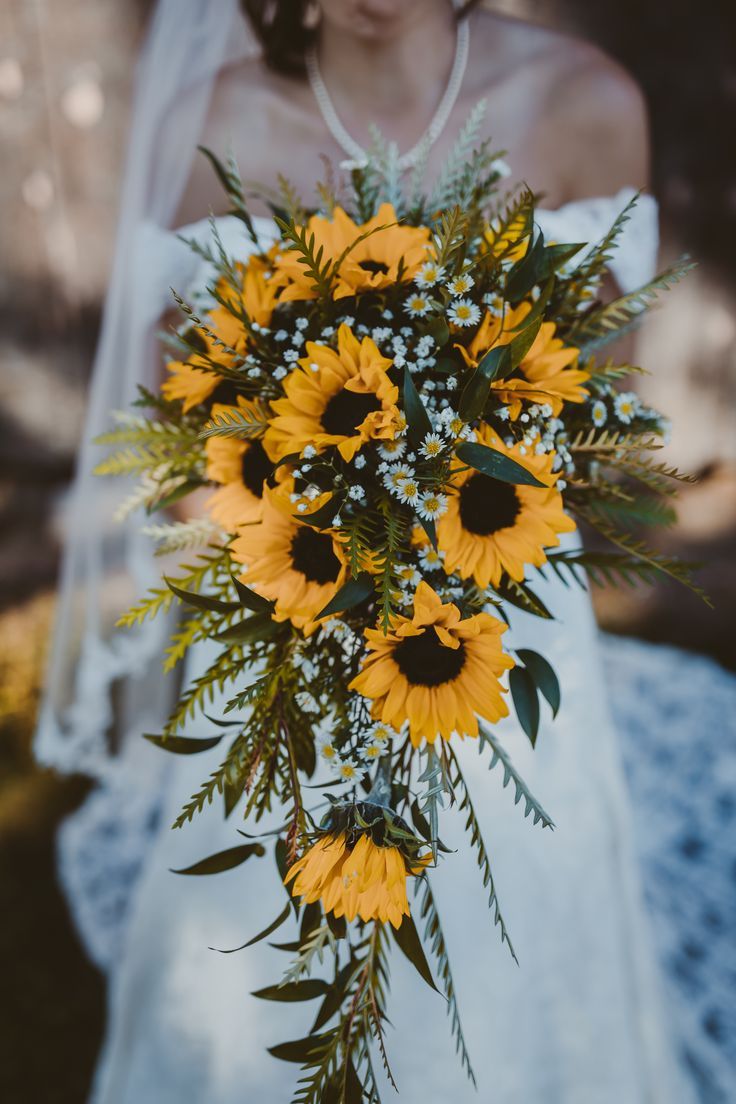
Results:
<point x="581" y="1021"/>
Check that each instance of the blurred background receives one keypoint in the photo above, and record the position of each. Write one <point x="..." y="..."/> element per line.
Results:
<point x="65" y="82"/>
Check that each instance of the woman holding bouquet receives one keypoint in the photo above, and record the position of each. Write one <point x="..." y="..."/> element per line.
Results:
<point x="284" y="85"/>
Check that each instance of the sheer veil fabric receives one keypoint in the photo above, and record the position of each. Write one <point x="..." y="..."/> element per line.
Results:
<point x="580" y="1022"/>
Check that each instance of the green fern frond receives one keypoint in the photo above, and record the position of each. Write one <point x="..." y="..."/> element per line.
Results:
<point x="532" y="807"/>
<point x="303" y="242"/>
<point x="443" y="193"/>
<point x="237" y="422"/>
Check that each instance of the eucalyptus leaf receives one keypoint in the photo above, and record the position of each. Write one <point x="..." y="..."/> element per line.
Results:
<point x="183" y="745"/>
<point x="475" y="393"/>
<point x="544" y="676"/>
<point x="224" y="860"/>
<point x="350" y="594"/>
<point x="407" y="938"/>
<point x="260" y="626"/>
<point x="201" y="601"/>
<point x="526" y="701"/>
<point x="495" y="464"/>
<point x="248" y="598"/>
<point x="176" y="495"/>
<point x="298" y="1050"/>
<point x="282" y="916"/>
<point x="305" y="990"/>
<point x="523" y="597"/>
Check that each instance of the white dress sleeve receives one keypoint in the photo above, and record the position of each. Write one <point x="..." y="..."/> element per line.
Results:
<point x="588" y="220"/>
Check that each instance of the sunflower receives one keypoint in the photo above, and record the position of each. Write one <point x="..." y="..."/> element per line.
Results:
<point x="435" y="670"/>
<point x="193" y="381"/>
<point x="366" y="880"/>
<point x="290" y="562"/>
<point x="385" y="254"/>
<point x="549" y="372"/>
<point x="242" y="466"/>
<point x="341" y="398"/>
<point x="490" y="526"/>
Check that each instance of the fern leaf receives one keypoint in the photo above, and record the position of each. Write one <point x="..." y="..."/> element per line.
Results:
<point x="532" y="807"/>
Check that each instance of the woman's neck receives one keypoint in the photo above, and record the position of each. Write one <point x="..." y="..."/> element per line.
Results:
<point x="393" y="81"/>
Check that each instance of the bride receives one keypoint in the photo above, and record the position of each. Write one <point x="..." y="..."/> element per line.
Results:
<point x="285" y="84"/>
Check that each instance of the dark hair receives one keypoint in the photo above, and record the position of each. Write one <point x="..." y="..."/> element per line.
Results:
<point x="287" y="28"/>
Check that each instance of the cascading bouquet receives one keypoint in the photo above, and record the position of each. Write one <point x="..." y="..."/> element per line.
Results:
<point x="399" y="407"/>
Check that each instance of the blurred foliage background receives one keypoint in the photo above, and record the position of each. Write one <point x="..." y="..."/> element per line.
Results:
<point x="65" y="81"/>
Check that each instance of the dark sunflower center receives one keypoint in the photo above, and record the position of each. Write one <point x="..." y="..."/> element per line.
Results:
<point x="374" y="267"/>
<point x="255" y="468"/>
<point x="346" y="411"/>
<point x="313" y="555"/>
<point x="425" y="661"/>
<point x="487" y="505"/>
<point x="226" y="392"/>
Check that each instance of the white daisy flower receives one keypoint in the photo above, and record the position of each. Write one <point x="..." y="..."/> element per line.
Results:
<point x="432" y="505"/>
<point x="408" y="491"/>
<point x="431" y="558"/>
<point x="347" y="771"/>
<point x="431" y="446"/>
<point x="396" y="474"/>
<point x="464" y="312"/>
<point x="461" y="284"/>
<point x="429" y="274"/>
<point x="408" y="575"/>
<point x="418" y="305"/>
<point x="625" y="405"/>
<point x="598" y="413"/>
<point x="382" y="733"/>
<point x="371" y="752"/>
<point x="328" y="751"/>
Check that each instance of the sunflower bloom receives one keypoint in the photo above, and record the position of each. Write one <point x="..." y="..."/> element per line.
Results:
<point x="490" y="526"/>
<point x="193" y="381"/>
<point x="242" y="467"/>
<point x="548" y="372"/>
<point x="292" y="564"/>
<point x="367" y="880"/>
<point x="340" y="398"/>
<point x="435" y="670"/>
<point x="386" y="254"/>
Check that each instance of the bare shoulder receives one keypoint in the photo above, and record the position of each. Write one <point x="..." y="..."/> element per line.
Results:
<point x="256" y="115"/>
<point x="589" y="111"/>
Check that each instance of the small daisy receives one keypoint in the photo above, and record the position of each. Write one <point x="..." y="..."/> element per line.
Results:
<point x="392" y="450"/>
<point x="464" y="312"/>
<point x="456" y="427"/>
<point x="431" y="446"/>
<point x="461" y="284"/>
<point x="417" y="306"/>
<point x="408" y="575"/>
<point x="432" y="505"/>
<point x="371" y="752"/>
<point x="408" y="491"/>
<point x="598" y="413"/>
<point x="328" y="752"/>
<point x="429" y="274"/>
<point x="348" y="772"/>
<point x="382" y="733"/>
<point x="430" y="558"/>
<point x="625" y="406"/>
<point x="396" y="474"/>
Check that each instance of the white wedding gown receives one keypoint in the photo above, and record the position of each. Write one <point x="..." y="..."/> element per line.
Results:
<point x="580" y="1021"/>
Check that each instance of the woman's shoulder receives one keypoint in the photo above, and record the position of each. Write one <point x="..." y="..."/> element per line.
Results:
<point x="589" y="109"/>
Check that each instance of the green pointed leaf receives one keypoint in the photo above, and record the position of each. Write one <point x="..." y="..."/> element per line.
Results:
<point x="439" y="330"/>
<point x="260" y="626"/>
<point x="526" y="701"/>
<point x="523" y="597"/>
<point x="298" y="1050"/>
<point x="183" y="745"/>
<point x="417" y="418"/>
<point x="476" y="391"/>
<point x="353" y="1089"/>
<point x="407" y="937"/>
<point x="522" y="343"/>
<point x="282" y="916"/>
<point x="224" y="860"/>
<point x="201" y="601"/>
<point x="495" y="464"/>
<point x="252" y="601"/>
<point x="350" y="594"/>
<point x="176" y="495"/>
<point x="544" y="676"/>
<point x="305" y="990"/>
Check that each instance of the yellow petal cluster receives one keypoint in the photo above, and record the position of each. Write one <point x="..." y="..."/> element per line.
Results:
<point x="436" y="670"/>
<point x="366" y="881"/>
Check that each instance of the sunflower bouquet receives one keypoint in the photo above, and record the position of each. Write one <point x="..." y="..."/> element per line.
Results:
<point x="399" y="409"/>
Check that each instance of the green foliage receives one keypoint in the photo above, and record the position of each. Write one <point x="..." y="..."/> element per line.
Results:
<point x="532" y="807"/>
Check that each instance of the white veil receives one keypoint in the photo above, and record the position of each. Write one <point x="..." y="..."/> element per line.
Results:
<point x="105" y="683"/>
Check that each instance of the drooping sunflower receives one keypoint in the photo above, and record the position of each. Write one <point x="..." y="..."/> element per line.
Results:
<point x="386" y="254"/>
<point x="435" y="670"/>
<point x="547" y="374"/>
<point x="193" y="381"/>
<point x="490" y="526"/>
<point x="339" y="398"/>
<point x="290" y="562"/>
<point x="365" y="880"/>
<point x="242" y="466"/>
